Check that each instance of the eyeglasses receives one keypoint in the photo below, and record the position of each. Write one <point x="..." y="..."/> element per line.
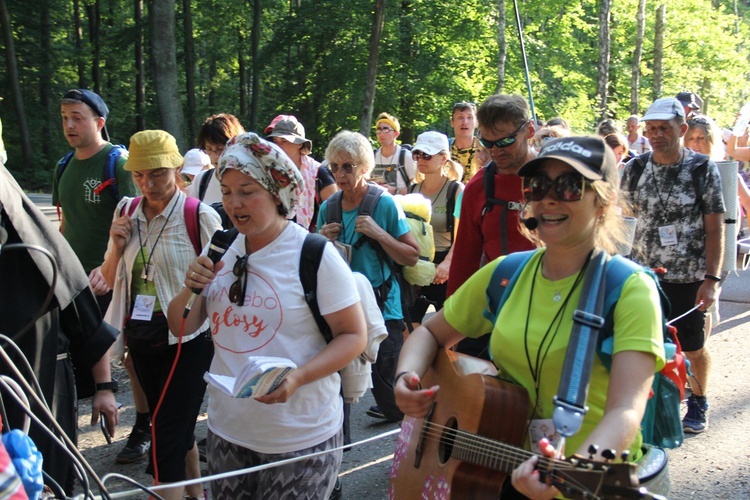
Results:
<point x="504" y="142"/>
<point x="214" y="151"/>
<point x="567" y="187"/>
<point x="239" y="287"/>
<point x="383" y="130"/>
<point x="348" y="168"/>
<point x="416" y="155"/>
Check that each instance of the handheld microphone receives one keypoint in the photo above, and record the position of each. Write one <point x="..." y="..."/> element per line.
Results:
<point x="531" y="223"/>
<point x="220" y="242"/>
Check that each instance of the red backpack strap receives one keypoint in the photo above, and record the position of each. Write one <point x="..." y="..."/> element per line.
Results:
<point x="192" y="222"/>
<point x="130" y="206"/>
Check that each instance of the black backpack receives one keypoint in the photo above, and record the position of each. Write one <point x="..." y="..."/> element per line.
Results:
<point x="399" y="169"/>
<point x="491" y="201"/>
<point x="218" y="206"/>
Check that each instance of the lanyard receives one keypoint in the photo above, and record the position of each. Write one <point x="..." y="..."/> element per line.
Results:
<point x="147" y="263"/>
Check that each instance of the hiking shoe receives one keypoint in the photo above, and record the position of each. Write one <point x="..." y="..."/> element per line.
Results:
<point x="375" y="412"/>
<point x="139" y="442"/>
<point x="695" y="420"/>
<point x="338" y="492"/>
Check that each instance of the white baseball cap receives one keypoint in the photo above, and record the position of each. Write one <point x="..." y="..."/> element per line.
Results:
<point x="431" y="143"/>
<point x="195" y="161"/>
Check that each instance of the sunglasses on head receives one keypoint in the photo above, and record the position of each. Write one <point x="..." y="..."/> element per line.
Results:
<point x="504" y="142"/>
<point x="239" y="287"/>
<point x="699" y="119"/>
<point x="566" y="187"/>
<point x="416" y="155"/>
<point x="348" y="168"/>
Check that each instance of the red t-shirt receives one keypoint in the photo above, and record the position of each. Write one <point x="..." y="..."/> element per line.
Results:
<point x="477" y="235"/>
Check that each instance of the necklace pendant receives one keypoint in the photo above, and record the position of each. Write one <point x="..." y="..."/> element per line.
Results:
<point x="557" y="297"/>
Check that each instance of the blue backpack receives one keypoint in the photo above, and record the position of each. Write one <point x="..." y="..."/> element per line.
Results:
<point x="661" y="424"/>
<point x="109" y="176"/>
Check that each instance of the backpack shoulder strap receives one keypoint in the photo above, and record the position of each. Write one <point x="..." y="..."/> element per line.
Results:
<point x="192" y="222"/>
<point x="370" y="200"/>
<point x="450" y="206"/>
<point x="636" y="169"/>
<point x="333" y="208"/>
<point x="62" y="164"/>
<point x="203" y="187"/>
<point x="503" y="279"/>
<point x="309" y="263"/>
<point x="130" y="207"/>
<point x="411" y="188"/>
<point x="402" y="166"/>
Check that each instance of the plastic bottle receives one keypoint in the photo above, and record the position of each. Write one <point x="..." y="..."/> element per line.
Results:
<point x="740" y="126"/>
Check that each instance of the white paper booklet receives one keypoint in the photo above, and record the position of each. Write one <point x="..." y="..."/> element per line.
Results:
<point x="259" y="376"/>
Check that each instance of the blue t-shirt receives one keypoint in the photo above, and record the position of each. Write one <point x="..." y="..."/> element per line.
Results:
<point x="388" y="215"/>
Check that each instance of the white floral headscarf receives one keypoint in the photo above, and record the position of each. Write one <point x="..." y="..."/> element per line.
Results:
<point x="265" y="162"/>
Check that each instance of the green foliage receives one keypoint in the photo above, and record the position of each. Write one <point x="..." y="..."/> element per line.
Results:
<point x="313" y="56"/>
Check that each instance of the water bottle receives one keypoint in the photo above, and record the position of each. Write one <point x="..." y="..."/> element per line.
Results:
<point x="740" y="126"/>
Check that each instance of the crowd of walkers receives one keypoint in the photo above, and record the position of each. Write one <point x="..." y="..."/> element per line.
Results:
<point x="140" y="222"/>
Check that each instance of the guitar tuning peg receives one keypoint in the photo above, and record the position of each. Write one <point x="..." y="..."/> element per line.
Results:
<point x="608" y="455"/>
<point x="593" y="449"/>
<point x="625" y="455"/>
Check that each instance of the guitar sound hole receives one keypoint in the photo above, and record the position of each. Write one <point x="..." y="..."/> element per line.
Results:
<point x="447" y="440"/>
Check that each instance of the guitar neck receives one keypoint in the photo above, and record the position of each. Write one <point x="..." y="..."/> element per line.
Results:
<point x="488" y="453"/>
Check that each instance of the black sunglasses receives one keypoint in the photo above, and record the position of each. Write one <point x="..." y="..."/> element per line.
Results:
<point x="416" y="155"/>
<point x="239" y="287"/>
<point x="699" y="119"/>
<point x="504" y="142"/>
<point x="348" y="168"/>
<point x="566" y="187"/>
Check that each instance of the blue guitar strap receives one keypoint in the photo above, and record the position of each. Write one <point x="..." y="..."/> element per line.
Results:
<point x="570" y="401"/>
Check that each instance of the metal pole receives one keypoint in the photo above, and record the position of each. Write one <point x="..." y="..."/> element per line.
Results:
<point x="525" y="62"/>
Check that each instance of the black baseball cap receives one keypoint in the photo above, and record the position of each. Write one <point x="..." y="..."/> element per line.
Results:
<point x="690" y="100"/>
<point x="92" y="100"/>
<point x="589" y="155"/>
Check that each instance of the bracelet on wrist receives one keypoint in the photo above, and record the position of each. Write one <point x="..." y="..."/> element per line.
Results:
<point x="713" y="277"/>
<point x="398" y="376"/>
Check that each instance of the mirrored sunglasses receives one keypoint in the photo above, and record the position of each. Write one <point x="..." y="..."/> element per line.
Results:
<point x="504" y="142"/>
<point x="239" y="287"/>
<point x="567" y="187"/>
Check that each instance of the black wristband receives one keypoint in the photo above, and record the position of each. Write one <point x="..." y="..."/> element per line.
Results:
<point x="398" y="376"/>
<point x="713" y="278"/>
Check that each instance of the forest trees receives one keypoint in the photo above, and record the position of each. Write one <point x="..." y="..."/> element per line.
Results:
<point x="168" y="64"/>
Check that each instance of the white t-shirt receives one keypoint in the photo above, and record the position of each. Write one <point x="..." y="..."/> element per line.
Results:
<point x="213" y="192"/>
<point x="276" y="321"/>
<point x="385" y="163"/>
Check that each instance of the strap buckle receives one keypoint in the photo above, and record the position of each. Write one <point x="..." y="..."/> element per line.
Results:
<point x="514" y="205"/>
<point x="589" y="319"/>
<point x="567" y="417"/>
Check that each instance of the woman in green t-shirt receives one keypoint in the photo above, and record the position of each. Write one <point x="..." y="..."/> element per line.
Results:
<point x="571" y="192"/>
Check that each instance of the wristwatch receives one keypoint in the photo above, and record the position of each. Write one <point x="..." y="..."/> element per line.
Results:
<point x="107" y="386"/>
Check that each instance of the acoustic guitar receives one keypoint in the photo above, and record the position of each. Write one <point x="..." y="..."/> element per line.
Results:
<point x="471" y="440"/>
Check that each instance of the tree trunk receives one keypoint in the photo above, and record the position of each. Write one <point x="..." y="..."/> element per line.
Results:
<point x="376" y="32"/>
<point x="140" y="86"/>
<point x="45" y="74"/>
<point x="189" y="68"/>
<point x="661" y="18"/>
<point x="94" y="23"/>
<point x="79" y="56"/>
<point x="502" y="46"/>
<point x="602" y="83"/>
<point x="242" y="68"/>
<point x="255" y="65"/>
<point x="406" y="105"/>
<point x="164" y="64"/>
<point x="635" y="79"/>
<point x="15" y="86"/>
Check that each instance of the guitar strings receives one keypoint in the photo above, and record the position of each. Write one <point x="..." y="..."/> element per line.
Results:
<point x="471" y="442"/>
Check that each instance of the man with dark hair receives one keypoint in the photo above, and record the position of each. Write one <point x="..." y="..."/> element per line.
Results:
<point x="679" y="205"/>
<point x="86" y="186"/>
<point x="492" y="200"/>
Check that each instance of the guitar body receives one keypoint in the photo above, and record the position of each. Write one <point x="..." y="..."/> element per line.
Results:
<point x="470" y="399"/>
